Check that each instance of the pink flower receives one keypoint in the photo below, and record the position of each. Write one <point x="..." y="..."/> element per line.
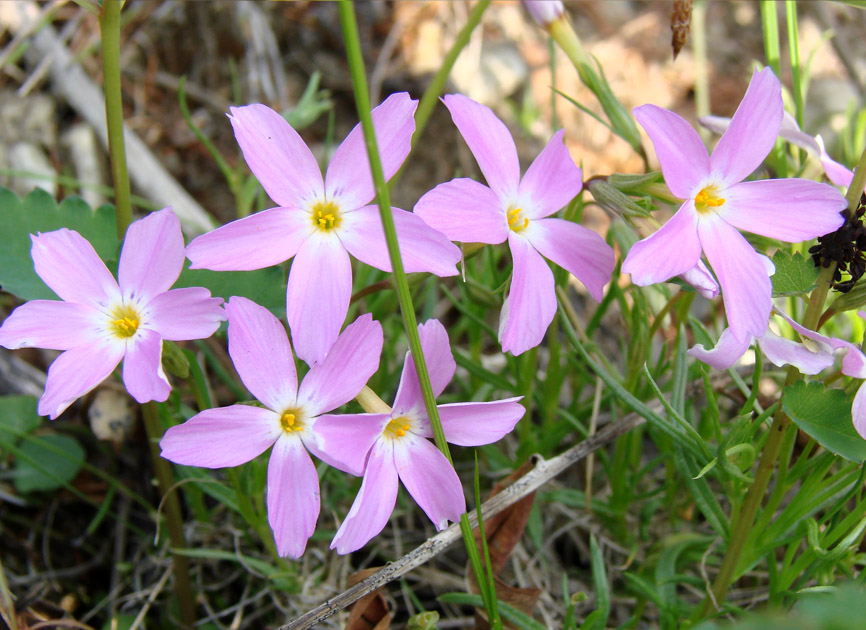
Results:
<point x="544" y="11"/>
<point x="718" y="203"/>
<point x="516" y="210"/>
<point x="102" y="321"/>
<point x="387" y="446"/>
<point x="320" y="222"/>
<point x="230" y="436"/>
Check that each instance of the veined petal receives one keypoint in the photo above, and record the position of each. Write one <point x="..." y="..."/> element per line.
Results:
<point x="853" y="360"/>
<point x="858" y="412"/>
<point x="681" y="152"/>
<point x="552" y="180"/>
<point x="531" y="301"/>
<point x="753" y="129"/>
<point x="76" y="372"/>
<point x="182" y="314"/>
<point x="51" y="324"/>
<point x="791" y="210"/>
<point x="293" y="496"/>
<point x="152" y="256"/>
<point x="375" y="501"/>
<point x="430" y="479"/>
<point x="727" y="351"/>
<point x="317" y="297"/>
<point x="261" y="353"/>
<point x="422" y="248"/>
<point x="349" y="178"/>
<point x="276" y="155"/>
<point x="440" y="366"/>
<point x="781" y="351"/>
<point x="222" y="437"/>
<point x="477" y="423"/>
<point x="702" y="280"/>
<point x="746" y="287"/>
<point x="143" y="375"/>
<point x="578" y="250"/>
<point x="71" y="268"/>
<point x="490" y="142"/>
<point x="260" y="240"/>
<point x="344" y="441"/>
<point x="464" y="210"/>
<point x="671" y="250"/>
<point x="347" y="367"/>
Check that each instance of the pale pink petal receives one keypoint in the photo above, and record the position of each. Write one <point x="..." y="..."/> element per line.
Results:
<point x="837" y="173"/>
<point x="422" y="248"/>
<point x="553" y="180"/>
<point x="753" y="129"/>
<point x="858" y="411"/>
<point x="440" y="366"/>
<point x="349" y="180"/>
<point x="261" y="353"/>
<point x="344" y="371"/>
<point x="490" y="142"/>
<point x="531" y="301"/>
<point x="681" y="152"/>
<point x="143" y="375"/>
<point x="544" y="11"/>
<point x="375" y="501"/>
<point x="51" y="324"/>
<point x="344" y="441"/>
<point x="464" y="210"/>
<point x="317" y="296"/>
<point x="276" y="155"/>
<point x="477" y="423"/>
<point x="781" y="351"/>
<point x="76" y="372"/>
<point x="791" y="210"/>
<point x="222" y="437"/>
<point x="578" y="250"/>
<point x="668" y="252"/>
<point x="71" y="268"/>
<point x="152" y="256"/>
<point x="702" y="280"/>
<point x="853" y="360"/>
<point x="727" y="351"/>
<point x="182" y="314"/>
<point x="293" y="496"/>
<point x="790" y="131"/>
<point x="746" y="288"/>
<point x="430" y="479"/>
<point x="260" y="240"/>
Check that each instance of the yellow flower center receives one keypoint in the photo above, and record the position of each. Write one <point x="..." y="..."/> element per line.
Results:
<point x="397" y="428"/>
<point x="516" y="222"/>
<point x="290" y="421"/>
<point x="124" y="322"/>
<point x="326" y="215"/>
<point x="708" y="199"/>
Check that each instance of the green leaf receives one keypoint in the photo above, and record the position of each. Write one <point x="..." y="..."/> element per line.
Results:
<point x="795" y="274"/>
<point x="17" y="417"/>
<point x="39" y="212"/>
<point x="825" y="415"/>
<point x="266" y="287"/>
<point x="38" y="466"/>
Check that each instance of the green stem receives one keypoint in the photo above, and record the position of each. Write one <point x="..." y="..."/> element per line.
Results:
<point x="702" y="75"/>
<point x="796" y="70"/>
<point x="855" y="189"/>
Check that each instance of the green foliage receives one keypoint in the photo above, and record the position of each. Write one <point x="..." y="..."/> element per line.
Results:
<point x="38" y="467"/>
<point x="266" y="287"/>
<point x="795" y="274"/>
<point x="17" y="417"/>
<point x="824" y="415"/>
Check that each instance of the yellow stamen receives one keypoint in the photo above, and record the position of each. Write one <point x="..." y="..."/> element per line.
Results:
<point x="290" y="421"/>
<point x="125" y="321"/>
<point x="514" y="220"/>
<point x="707" y="199"/>
<point x="397" y="428"/>
<point x="326" y="215"/>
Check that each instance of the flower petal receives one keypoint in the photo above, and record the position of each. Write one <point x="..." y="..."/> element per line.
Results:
<point x="260" y="240"/>
<point x="76" y="372"/>
<point x="344" y="441"/>
<point x="152" y="256"/>
<point x="143" y="375"/>
<point x="681" y="152"/>
<point x="753" y="129"/>
<point x="293" y="496"/>
<point x="276" y="155"/>
<point x="858" y="411"/>
<point x="422" y="248"/>
<point x="531" y="301"/>
<point x="440" y="366"/>
<point x="71" y="268"/>
<point x="477" y="423"/>
<point x="781" y="351"/>
<point x="553" y="180"/>
<point x="349" y="179"/>
<point x="727" y="351"/>
<point x="670" y="251"/>
<point x="182" y="314"/>
<point x="430" y="479"/>
<point x="375" y="501"/>
<point x="261" y="353"/>
<point x="490" y="142"/>
<point x="317" y="296"/>
<point x="222" y="437"/>
<point x="464" y="210"/>
<point x="746" y="287"/>
<point x="853" y="360"/>
<point x="578" y="250"/>
<point x="51" y="324"/>
<point x="344" y="371"/>
<point x="702" y="280"/>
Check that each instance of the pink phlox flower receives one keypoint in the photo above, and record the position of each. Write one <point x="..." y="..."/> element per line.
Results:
<point x="102" y="321"/>
<point x="320" y="221"/>
<point x="518" y="210"/>
<point x="385" y="447"/>
<point x="719" y="203"/>
<point x="230" y="436"/>
<point x="544" y="11"/>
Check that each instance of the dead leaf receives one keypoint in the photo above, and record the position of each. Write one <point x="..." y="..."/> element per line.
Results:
<point x="371" y="611"/>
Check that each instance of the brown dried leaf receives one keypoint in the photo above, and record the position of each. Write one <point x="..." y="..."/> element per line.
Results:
<point x="681" y="19"/>
<point x="523" y="599"/>
<point x="371" y="611"/>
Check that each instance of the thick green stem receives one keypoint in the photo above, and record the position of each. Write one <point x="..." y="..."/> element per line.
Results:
<point x="858" y="183"/>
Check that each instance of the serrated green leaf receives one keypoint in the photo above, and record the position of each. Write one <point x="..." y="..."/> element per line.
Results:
<point x="825" y="415"/>
<point x="266" y="287"/>
<point x="38" y="466"/>
<point x="795" y="274"/>
<point x="17" y="416"/>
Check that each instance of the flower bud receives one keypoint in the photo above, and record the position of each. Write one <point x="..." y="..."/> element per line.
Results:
<point x="544" y="11"/>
